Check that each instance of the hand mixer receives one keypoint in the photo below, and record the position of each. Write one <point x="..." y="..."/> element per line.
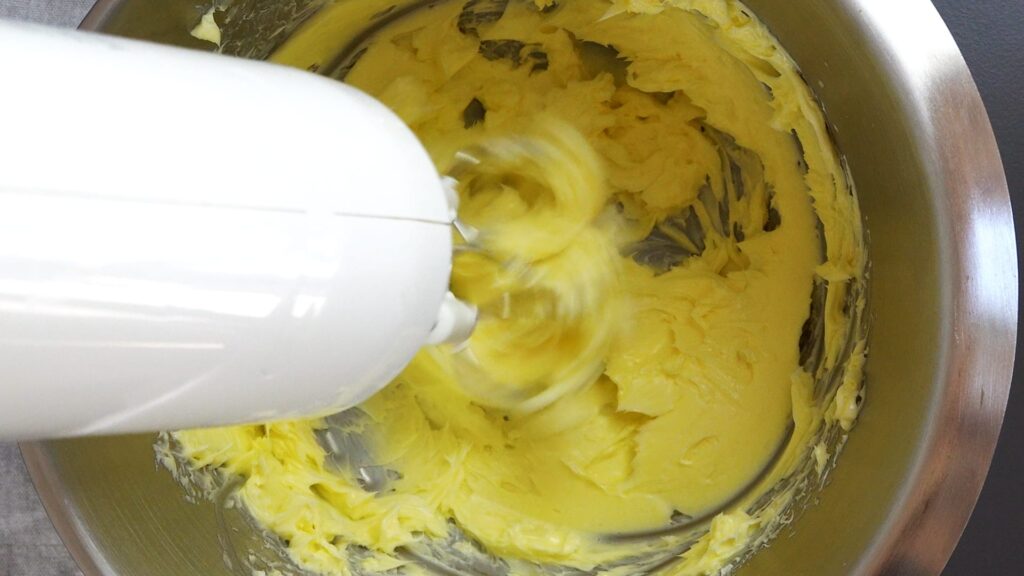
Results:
<point x="192" y="240"/>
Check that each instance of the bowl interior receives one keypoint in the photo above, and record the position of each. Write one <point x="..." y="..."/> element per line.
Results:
<point x="129" y="517"/>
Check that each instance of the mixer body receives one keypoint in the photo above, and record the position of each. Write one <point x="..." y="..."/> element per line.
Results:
<point x="249" y="243"/>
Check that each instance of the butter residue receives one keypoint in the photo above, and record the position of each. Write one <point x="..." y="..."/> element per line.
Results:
<point x="849" y="398"/>
<point x="821" y="457"/>
<point x="207" y="29"/>
<point x="718" y="173"/>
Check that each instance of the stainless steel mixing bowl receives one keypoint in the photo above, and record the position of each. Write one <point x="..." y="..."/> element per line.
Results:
<point x="908" y="118"/>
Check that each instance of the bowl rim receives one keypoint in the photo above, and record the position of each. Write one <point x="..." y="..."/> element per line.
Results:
<point x="979" y="292"/>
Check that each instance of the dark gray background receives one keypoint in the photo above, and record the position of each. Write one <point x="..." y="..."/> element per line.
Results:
<point x="991" y="35"/>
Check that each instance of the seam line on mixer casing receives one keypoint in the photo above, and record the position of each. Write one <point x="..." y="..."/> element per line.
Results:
<point x="214" y="205"/>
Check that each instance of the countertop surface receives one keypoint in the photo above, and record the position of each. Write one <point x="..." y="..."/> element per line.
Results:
<point x="991" y="35"/>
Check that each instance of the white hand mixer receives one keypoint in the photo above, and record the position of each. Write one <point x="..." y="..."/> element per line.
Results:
<point x="193" y="240"/>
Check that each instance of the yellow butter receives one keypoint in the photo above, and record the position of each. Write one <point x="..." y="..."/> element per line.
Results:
<point x="681" y="106"/>
<point x="208" y="30"/>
